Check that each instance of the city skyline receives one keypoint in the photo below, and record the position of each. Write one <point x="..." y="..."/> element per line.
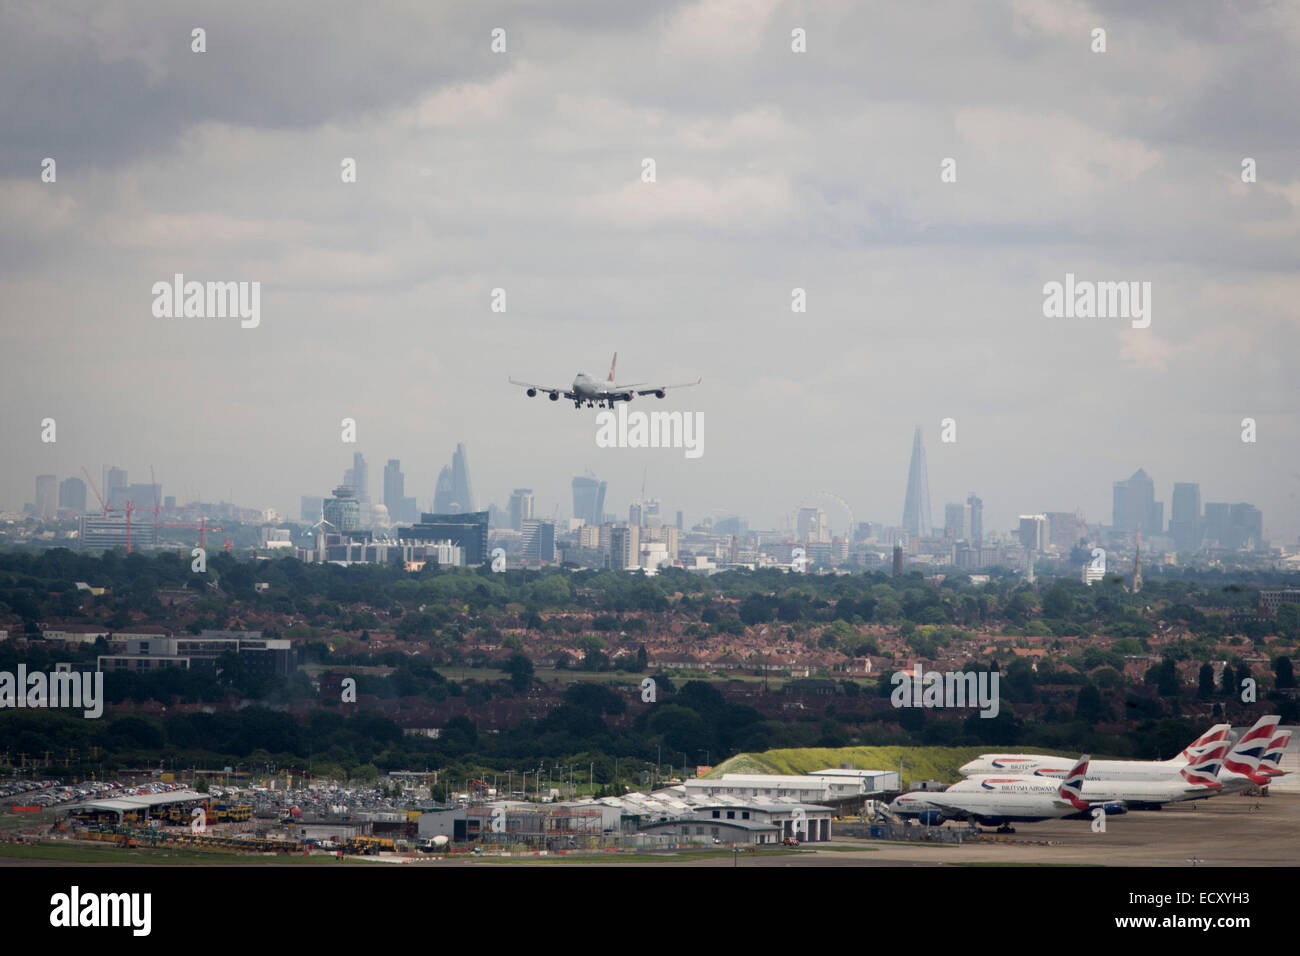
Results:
<point x="783" y="180"/>
<point x="1120" y="518"/>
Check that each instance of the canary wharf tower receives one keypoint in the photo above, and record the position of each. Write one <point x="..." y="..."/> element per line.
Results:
<point x="916" y="509"/>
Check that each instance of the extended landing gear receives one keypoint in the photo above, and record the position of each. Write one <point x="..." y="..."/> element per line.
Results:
<point x="1006" y="828"/>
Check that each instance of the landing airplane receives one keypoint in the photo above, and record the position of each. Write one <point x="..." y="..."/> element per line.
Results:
<point x="587" y="389"/>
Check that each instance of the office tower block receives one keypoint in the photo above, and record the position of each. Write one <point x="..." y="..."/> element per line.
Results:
<point x="1217" y="524"/>
<point x="1033" y="532"/>
<point x="47" y="495"/>
<point x="956" y="521"/>
<point x="1185" y="516"/>
<point x="1246" y="524"/>
<point x="589" y="500"/>
<point x="115" y="488"/>
<point x="1135" y="505"/>
<point x="624" y="547"/>
<point x="538" y="539"/>
<point x="72" y="495"/>
<point x="357" y="477"/>
<point x="916" y="507"/>
<point x="976" y="506"/>
<point x="401" y="509"/>
<point x="521" y="507"/>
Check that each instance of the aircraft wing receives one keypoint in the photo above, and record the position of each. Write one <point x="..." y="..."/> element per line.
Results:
<point x="663" y="388"/>
<point x="545" y="388"/>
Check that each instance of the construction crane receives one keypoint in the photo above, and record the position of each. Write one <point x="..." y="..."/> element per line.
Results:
<point x="202" y="528"/>
<point x="102" y="503"/>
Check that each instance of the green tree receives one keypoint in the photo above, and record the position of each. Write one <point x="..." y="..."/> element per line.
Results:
<point x="520" y="669"/>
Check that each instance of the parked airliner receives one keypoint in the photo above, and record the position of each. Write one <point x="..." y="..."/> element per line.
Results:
<point x="1045" y="763"/>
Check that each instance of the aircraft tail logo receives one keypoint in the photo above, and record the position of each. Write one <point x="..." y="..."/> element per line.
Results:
<point x="1245" y="757"/>
<point x="1071" y="788"/>
<point x="1204" y="771"/>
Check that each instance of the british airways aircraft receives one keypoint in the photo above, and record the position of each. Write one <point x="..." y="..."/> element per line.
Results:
<point x="1140" y="769"/>
<point x="587" y="389"/>
<point x="1002" y="801"/>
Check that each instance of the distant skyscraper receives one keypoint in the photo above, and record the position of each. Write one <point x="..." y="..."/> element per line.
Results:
<point x="589" y="500"/>
<point x="358" y="477"/>
<point x="810" y="525"/>
<point x="460" y="475"/>
<point x="1246" y="523"/>
<point x="1033" y="532"/>
<point x="400" y="508"/>
<point x="538" y="539"/>
<point x="115" y="488"/>
<point x="453" y="494"/>
<point x="624" y="548"/>
<point x="1135" y="505"/>
<point x="1217" y="524"/>
<point x="142" y="495"/>
<point x="1185" y="516"/>
<point x="521" y="508"/>
<point x="976" y="506"/>
<point x="916" y="508"/>
<point x="47" y="495"/>
<point x="72" y="495"/>
<point x="679" y="521"/>
<point x="956" y="521"/>
<point x="1064" y="530"/>
<point x="444" y="495"/>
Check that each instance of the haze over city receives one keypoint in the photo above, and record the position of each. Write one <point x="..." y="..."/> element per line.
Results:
<point x="522" y="171"/>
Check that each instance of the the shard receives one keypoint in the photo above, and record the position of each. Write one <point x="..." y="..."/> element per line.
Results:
<point x="916" y="509"/>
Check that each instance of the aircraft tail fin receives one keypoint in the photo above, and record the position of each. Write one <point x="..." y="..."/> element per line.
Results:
<point x="1254" y="743"/>
<point x="1212" y="736"/>
<point x="1270" y="763"/>
<point x="611" y="368"/>
<point x="1203" y="770"/>
<point x="1071" y="788"/>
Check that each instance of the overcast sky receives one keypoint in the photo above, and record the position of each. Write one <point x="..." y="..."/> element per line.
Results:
<point x="775" y="169"/>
